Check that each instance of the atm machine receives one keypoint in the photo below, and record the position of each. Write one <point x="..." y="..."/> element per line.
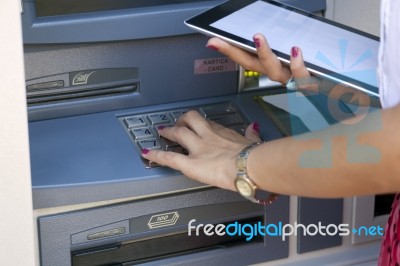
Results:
<point x="99" y="77"/>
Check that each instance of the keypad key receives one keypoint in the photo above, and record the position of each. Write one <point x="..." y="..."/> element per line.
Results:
<point x="141" y="133"/>
<point x="217" y="109"/>
<point x="241" y="129"/>
<point x="167" y="143"/>
<point x="160" y="125"/>
<point x="134" y="121"/>
<point x="159" y="118"/>
<point x="227" y="120"/>
<point x="150" y="144"/>
<point x="149" y="164"/>
<point x="178" y="149"/>
<point x="178" y="113"/>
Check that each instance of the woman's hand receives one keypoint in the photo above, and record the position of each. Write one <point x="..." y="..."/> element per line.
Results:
<point x="212" y="149"/>
<point x="265" y="61"/>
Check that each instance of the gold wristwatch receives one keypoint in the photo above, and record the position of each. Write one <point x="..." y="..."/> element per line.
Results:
<point x="245" y="185"/>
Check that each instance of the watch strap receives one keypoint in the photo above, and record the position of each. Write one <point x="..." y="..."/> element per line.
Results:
<point x="260" y="196"/>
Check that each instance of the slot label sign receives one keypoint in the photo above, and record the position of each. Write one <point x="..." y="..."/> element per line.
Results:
<point x="163" y="220"/>
<point x="214" y="65"/>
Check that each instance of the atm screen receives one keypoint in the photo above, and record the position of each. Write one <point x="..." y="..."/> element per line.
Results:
<point x="46" y="8"/>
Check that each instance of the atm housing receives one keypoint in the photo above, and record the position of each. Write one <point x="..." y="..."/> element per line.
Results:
<point x="85" y="70"/>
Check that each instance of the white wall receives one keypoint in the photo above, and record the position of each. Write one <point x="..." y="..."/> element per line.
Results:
<point x="361" y="14"/>
<point x="16" y="223"/>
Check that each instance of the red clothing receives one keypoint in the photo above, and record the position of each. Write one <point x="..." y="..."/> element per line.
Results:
<point x="390" y="247"/>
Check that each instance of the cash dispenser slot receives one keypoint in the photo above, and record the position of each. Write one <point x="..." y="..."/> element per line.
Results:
<point x="156" y="248"/>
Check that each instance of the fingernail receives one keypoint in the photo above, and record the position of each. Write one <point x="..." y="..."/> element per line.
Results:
<point x="145" y="151"/>
<point x="212" y="47"/>
<point x="256" y="127"/>
<point x="257" y="42"/>
<point x="161" y="128"/>
<point x="295" y="52"/>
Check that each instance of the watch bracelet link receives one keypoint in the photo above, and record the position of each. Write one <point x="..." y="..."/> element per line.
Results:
<point x="241" y="164"/>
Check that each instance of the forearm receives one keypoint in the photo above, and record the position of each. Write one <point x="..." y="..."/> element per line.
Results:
<point x="344" y="160"/>
<point x="312" y="85"/>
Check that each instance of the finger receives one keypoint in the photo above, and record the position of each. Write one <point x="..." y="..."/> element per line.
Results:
<point x="297" y="65"/>
<point x="216" y="126"/>
<point x="195" y="121"/>
<point x="224" y="132"/>
<point x="247" y="60"/>
<point x="253" y="132"/>
<point x="182" y="135"/>
<point x="303" y="78"/>
<point x="272" y="66"/>
<point x="173" y="160"/>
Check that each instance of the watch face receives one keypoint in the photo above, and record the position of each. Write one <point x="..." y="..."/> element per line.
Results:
<point x="244" y="188"/>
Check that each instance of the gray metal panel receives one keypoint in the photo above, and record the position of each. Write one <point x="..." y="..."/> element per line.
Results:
<point x="55" y="231"/>
<point x="314" y="211"/>
<point x="90" y="158"/>
<point x="127" y="24"/>
<point x="308" y="5"/>
<point x="166" y="72"/>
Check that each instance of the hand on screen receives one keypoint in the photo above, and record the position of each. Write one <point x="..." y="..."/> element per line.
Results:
<point x="212" y="149"/>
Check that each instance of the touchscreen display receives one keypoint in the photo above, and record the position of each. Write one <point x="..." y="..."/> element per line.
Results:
<point x="327" y="46"/>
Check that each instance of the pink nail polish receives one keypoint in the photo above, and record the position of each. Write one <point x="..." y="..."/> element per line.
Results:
<point x="212" y="47"/>
<point x="256" y="127"/>
<point x="295" y="52"/>
<point x="257" y="42"/>
<point x="161" y="128"/>
<point x="145" y="151"/>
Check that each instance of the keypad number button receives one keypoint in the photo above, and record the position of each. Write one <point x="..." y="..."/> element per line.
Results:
<point x="227" y="120"/>
<point x="217" y="109"/>
<point x="241" y="129"/>
<point x="178" y="113"/>
<point x="159" y="118"/>
<point x="134" y="121"/>
<point x="149" y="144"/>
<point x="141" y="133"/>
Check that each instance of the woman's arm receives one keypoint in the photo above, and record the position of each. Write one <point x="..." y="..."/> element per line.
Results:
<point x="357" y="157"/>
<point x="343" y="160"/>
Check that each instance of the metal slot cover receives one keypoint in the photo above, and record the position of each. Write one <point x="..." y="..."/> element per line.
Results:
<point x="82" y="84"/>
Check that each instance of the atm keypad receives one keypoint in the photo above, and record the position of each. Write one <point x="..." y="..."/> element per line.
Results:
<point x="142" y="129"/>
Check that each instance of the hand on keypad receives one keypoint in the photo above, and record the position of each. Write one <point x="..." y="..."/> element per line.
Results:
<point x="143" y="128"/>
<point x="211" y="148"/>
